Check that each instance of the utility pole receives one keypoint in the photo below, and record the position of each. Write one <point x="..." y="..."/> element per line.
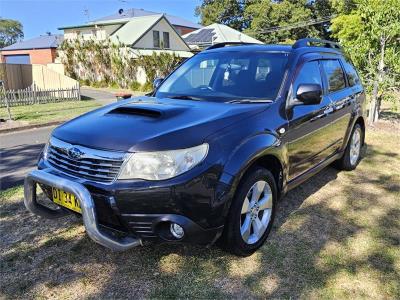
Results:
<point x="86" y="13"/>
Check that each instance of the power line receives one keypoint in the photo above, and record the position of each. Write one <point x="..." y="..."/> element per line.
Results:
<point x="297" y="25"/>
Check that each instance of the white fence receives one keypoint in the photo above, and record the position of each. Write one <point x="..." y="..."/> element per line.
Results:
<point x="36" y="95"/>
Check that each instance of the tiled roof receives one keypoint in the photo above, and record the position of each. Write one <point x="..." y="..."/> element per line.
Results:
<point x="135" y="12"/>
<point x="40" y="42"/>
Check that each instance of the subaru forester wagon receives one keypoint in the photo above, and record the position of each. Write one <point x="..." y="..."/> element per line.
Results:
<point x="207" y="155"/>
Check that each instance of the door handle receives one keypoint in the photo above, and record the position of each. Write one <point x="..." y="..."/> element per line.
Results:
<point x="328" y="110"/>
<point x="347" y="99"/>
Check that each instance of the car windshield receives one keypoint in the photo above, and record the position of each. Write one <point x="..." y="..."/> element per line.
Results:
<point x="227" y="76"/>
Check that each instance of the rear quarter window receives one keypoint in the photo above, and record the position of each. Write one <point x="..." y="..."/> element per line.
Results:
<point x="334" y="75"/>
<point x="351" y="73"/>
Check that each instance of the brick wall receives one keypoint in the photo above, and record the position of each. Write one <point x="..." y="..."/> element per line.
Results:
<point x="37" y="56"/>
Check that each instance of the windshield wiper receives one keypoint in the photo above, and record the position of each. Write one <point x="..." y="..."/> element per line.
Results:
<point x="185" y="97"/>
<point x="245" y="101"/>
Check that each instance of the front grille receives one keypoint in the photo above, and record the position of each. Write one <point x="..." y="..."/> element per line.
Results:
<point x="92" y="164"/>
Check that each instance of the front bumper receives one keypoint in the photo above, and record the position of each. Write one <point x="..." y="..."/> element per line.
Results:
<point x="90" y="221"/>
<point x="138" y="213"/>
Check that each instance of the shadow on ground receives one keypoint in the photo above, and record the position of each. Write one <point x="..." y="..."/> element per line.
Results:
<point x="14" y="163"/>
<point x="337" y="235"/>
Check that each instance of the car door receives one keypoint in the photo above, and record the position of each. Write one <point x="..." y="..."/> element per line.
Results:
<point x="341" y="95"/>
<point x="307" y="139"/>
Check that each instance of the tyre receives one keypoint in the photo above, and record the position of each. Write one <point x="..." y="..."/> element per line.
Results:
<point x="352" y="153"/>
<point x="251" y="214"/>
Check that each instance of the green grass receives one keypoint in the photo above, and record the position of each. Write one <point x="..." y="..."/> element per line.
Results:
<point x="44" y="113"/>
<point x="335" y="237"/>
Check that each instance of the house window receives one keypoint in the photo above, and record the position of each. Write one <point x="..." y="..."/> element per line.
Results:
<point x="166" y="40"/>
<point x="156" y="39"/>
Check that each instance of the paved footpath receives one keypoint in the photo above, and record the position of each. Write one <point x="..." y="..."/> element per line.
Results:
<point x="18" y="154"/>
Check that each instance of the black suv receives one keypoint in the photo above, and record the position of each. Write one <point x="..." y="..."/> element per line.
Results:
<point x="207" y="155"/>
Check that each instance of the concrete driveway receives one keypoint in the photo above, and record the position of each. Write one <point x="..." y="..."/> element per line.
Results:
<point x="104" y="97"/>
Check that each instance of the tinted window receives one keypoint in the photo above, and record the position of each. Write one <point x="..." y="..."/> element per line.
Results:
<point x="309" y="73"/>
<point x="334" y="75"/>
<point x="156" y="39"/>
<point x="226" y="76"/>
<point x="351" y="73"/>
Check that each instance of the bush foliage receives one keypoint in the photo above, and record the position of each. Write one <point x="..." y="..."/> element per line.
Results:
<point x="103" y="63"/>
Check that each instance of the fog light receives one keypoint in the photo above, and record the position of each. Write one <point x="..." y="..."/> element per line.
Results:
<point x="176" y="230"/>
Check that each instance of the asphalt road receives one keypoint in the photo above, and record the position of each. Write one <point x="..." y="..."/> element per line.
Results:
<point x="18" y="154"/>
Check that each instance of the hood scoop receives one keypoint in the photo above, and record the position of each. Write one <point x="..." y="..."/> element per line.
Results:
<point x="149" y="109"/>
<point x="136" y="111"/>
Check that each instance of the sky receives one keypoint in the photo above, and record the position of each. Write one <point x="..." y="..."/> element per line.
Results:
<point x="41" y="16"/>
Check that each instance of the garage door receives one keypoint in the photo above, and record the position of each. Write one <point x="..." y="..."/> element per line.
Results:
<point x="18" y="59"/>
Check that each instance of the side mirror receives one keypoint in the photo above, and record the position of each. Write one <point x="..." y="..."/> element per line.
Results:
<point x="309" y="94"/>
<point x="157" y="82"/>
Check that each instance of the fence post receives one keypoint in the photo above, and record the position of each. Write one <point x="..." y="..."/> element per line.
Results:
<point x="35" y="99"/>
<point x="3" y="92"/>
<point x="14" y="94"/>
<point x="78" y="91"/>
<point x="8" y="107"/>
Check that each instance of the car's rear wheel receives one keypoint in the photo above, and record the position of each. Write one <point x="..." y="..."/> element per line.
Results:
<point x="252" y="212"/>
<point x="352" y="153"/>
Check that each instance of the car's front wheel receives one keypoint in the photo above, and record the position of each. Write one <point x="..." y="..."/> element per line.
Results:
<point x="252" y="213"/>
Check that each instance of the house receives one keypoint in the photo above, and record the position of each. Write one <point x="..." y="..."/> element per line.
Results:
<point x="39" y="50"/>
<point x="216" y="33"/>
<point x="181" y="25"/>
<point x="144" y="34"/>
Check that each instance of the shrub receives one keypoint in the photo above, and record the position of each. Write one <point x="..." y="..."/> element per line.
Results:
<point x="147" y="87"/>
<point x="114" y="85"/>
<point x="135" y="86"/>
<point x="103" y="62"/>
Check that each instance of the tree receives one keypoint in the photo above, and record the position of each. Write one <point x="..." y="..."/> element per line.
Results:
<point x="10" y="32"/>
<point x="370" y="32"/>
<point x="266" y="14"/>
<point x="227" y="12"/>
<point x="322" y="9"/>
<point x="343" y="6"/>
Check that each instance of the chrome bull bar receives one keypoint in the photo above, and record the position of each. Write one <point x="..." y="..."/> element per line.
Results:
<point x="93" y="229"/>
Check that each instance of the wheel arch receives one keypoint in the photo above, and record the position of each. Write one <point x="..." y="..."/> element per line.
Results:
<point x="265" y="150"/>
<point x="360" y="121"/>
<point x="272" y="164"/>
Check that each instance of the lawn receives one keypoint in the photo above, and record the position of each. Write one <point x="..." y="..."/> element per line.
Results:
<point x="50" y="112"/>
<point x="335" y="236"/>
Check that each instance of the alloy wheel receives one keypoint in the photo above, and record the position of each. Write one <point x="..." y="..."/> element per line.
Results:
<point x="355" y="146"/>
<point x="256" y="212"/>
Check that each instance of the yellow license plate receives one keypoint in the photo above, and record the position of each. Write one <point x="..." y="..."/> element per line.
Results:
<point x="67" y="200"/>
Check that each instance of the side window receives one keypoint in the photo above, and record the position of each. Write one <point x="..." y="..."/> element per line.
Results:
<point x="351" y="73"/>
<point x="166" y="40"/>
<point x="309" y="73"/>
<point x="334" y="75"/>
<point x="156" y="39"/>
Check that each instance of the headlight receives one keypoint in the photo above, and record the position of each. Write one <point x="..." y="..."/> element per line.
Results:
<point x="46" y="150"/>
<point x="164" y="164"/>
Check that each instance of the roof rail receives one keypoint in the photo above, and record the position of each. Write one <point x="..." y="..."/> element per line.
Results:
<point x="224" y="44"/>
<point x="308" y="42"/>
